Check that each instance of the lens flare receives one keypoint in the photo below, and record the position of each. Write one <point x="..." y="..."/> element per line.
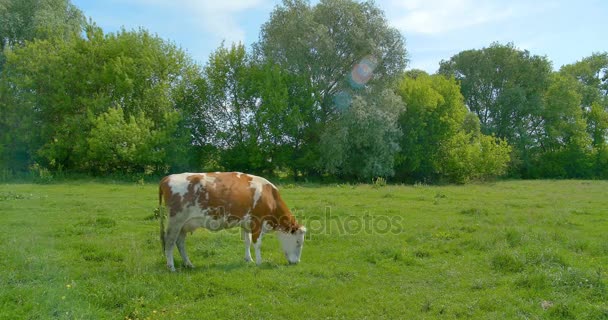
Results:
<point x="342" y="100"/>
<point x="363" y="72"/>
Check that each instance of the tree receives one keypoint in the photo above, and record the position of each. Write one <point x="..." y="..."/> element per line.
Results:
<point x="58" y="88"/>
<point x="504" y="86"/>
<point x="116" y="144"/>
<point x="26" y="20"/>
<point x="564" y="145"/>
<point x="335" y="48"/>
<point x="228" y="107"/>
<point x="591" y="74"/>
<point x="441" y="140"/>
<point x="364" y="141"/>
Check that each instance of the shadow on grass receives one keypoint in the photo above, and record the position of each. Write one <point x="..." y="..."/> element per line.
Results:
<point x="231" y="266"/>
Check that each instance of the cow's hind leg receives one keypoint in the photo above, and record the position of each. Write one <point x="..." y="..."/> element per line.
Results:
<point x="181" y="246"/>
<point x="170" y="238"/>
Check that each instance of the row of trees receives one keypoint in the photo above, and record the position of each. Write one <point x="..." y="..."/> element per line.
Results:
<point x="322" y="93"/>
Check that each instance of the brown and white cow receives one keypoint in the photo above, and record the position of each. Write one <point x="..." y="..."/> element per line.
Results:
<point x="222" y="200"/>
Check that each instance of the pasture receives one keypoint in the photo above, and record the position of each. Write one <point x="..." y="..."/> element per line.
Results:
<point x="507" y="250"/>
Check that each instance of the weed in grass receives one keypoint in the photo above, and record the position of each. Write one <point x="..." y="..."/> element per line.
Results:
<point x="379" y="182"/>
<point x="9" y="195"/>
<point x="99" y="222"/>
<point x="474" y="212"/>
<point x="445" y="235"/>
<point x="578" y="246"/>
<point x="534" y="281"/>
<point x="101" y="256"/>
<point x="513" y="237"/>
<point x="572" y="279"/>
<point x="422" y="253"/>
<point x="426" y="306"/>
<point x="506" y="262"/>
<point x="561" y="311"/>
<point x="545" y="258"/>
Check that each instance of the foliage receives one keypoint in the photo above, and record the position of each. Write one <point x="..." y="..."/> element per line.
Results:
<point x="364" y="141"/>
<point x="591" y="74"/>
<point x="58" y="88"/>
<point x="26" y="20"/>
<point x="116" y="144"/>
<point x="504" y="86"/>
<point x="440" y="139"/>
<point x="564" y="145"/>
<point x="322" y="48"/>
<point x="321" y="94"/>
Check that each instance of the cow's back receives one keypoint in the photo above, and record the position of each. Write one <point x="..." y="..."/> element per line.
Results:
<point x="218" y="194"/>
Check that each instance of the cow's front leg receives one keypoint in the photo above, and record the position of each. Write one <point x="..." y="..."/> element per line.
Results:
<point x="247" y="240"/>
<point x="257" y="245"/>
<point x="181" y="246"/>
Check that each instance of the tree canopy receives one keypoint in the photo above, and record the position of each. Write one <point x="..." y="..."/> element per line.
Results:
<point x="323" y="94"/>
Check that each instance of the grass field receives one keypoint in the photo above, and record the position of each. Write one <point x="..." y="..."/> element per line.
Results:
<point x="509" y="250"/>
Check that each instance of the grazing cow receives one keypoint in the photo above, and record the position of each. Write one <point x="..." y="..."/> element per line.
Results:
<point x="223" y="200"/>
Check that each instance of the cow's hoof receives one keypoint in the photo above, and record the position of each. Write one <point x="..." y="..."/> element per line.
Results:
<point x="248" y="260"/>
<point x="189" y="265"/>
<point x="171" y="268"/>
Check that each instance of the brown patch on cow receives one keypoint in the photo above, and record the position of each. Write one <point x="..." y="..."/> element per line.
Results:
<point x="172" y="201"/>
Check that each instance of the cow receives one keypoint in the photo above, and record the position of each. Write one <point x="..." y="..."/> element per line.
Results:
<point x="222" y="200"/>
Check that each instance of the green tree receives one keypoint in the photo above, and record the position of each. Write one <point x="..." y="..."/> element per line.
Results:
<point x="26" y="20"/>
<point x="441" y="140"/>
<point x="364" y="141"/>
<point x="58" y="88"/>
<point x="505" y="87"/>
<point x="116" y="144"/>
<point x="564" y="144"/>
<point x="591" y="73"/>
<point x="229" y="107"/>
<point x="332" y="49"/>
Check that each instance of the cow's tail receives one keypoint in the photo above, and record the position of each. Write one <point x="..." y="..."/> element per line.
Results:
<point x="161" y="217"/>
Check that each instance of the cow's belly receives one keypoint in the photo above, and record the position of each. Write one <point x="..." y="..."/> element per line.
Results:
<point x="210" y="223"/>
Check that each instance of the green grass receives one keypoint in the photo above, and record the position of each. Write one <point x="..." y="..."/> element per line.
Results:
<point x="510" y="250"/>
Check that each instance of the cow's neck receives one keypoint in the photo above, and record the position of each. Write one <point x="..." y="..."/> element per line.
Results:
<point x="286" y="221"/>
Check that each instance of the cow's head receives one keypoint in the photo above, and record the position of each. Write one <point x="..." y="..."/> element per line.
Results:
<point x="292" y="243"/>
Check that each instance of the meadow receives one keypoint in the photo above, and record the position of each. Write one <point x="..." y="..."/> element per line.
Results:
<point x="504" y="250"/>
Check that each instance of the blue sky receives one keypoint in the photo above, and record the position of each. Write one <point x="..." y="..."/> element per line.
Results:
<point x="564" y="31"/>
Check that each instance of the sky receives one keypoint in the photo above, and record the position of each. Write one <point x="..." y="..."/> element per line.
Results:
<point x="434" y="30"/>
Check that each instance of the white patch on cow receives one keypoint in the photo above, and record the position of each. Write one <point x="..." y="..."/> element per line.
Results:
<point x="257" y="184"/>
<point x="238" y="174"/>
<point x="257" y="187"/>
<point x="179" y="183"/>
<point x="208" y="180"/>
<point x="200" y="218"/>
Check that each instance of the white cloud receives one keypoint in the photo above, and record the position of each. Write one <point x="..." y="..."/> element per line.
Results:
<point x="218" y="18"/>
<point x="440" y="16"/>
